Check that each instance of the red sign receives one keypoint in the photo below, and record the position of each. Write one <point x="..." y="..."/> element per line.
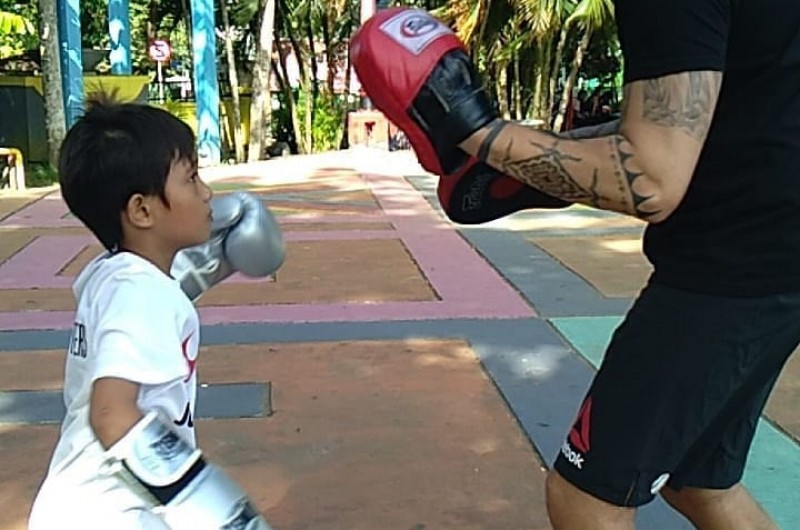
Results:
<point x="159" y="50"/>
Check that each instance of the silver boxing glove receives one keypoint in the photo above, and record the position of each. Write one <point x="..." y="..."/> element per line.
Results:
<point x="177" y="483"/>
<point x="245" y="237"/>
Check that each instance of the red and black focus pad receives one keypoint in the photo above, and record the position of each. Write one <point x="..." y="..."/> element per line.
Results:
<point x="416" y="71"/>
<point x="394" y="54"/>
<point x="478" y="193"/>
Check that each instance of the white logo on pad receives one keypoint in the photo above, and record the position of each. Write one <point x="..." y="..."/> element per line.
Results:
<point x="414" y="30"/>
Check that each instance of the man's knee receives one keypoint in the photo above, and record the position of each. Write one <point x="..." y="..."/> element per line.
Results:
<point x="691" y="500"/>
<point x="568" y="504"/>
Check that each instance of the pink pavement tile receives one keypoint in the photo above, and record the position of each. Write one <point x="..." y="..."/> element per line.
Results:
<point x="292" y="313"/>
<point x="468" y="286"/>
<point x="37" y="265"/>
<point x="48" y="212"/>
<point x="458" y="273"/>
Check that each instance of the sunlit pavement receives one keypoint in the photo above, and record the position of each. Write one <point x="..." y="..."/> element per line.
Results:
<point x="399" y="372"/>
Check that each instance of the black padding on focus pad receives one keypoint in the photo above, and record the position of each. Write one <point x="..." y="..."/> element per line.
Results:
<point x="471" y="201"/>
<point x="445" y="119"/>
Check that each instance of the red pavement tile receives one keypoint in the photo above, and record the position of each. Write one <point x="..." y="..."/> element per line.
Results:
<point x="402" y="435"/>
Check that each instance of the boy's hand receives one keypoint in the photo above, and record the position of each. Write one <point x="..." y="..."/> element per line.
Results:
<point x="245" y="237"/>
<point x="187" y="491"/>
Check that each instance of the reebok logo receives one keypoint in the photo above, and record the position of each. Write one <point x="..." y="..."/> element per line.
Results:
<point x="580" y="434"/>
<point x="574" y="458"/>
<point x="474" y="198"/>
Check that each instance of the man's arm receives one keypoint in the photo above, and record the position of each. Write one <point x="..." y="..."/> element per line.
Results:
<point x="592" y="131"/>
<point x="643" y="170"/>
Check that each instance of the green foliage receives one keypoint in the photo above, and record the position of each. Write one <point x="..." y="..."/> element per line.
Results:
<point x="94" y="24"/>
<point x="326" y="127"/>
<point x="17" y="28"/>
<point x="39" y="175"/>
<point x="603" y="60"/>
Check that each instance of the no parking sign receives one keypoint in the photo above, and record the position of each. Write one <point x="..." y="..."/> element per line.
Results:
<point x="159" y="50"/>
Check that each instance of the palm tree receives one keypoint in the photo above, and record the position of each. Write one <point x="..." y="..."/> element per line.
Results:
<point x="261" y="93"/>
<point x="589" y="16"/>
<point x="233" y="77"/>
<point x="16" y="32"/>
<point x="544" y="19"/>
<point x="54" y="115"/>
<point x="13" y="23"/>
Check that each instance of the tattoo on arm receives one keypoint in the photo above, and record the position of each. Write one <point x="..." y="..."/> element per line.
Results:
<point x="627" y="174"/>
<point x="683" y="100"/>
<point x="495" y="128"/>
<point x="546" y="171"/>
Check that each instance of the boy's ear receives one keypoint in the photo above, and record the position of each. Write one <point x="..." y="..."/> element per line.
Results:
<point x="139" y="211"/>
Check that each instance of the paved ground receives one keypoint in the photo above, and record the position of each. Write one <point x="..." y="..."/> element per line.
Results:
<point x="400" y="372"/>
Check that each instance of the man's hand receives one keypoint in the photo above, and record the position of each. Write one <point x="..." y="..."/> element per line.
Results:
<point x="643" y="170"/>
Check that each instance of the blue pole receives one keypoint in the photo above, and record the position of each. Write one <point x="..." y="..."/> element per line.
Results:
<point x="119" y="29"/>
<point x="205" y="82"/>
<point x="69" y="33"/>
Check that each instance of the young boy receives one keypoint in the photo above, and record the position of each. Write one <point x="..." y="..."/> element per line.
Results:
<point x="127" y="457"/>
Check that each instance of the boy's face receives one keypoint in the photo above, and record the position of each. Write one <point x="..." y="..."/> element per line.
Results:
<point x="187" y="220"/>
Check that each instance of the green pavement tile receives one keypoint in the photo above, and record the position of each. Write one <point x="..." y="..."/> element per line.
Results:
<point x="233" y="186"/>
<point x="588" y="335"/>
<point x="772" y="474"/>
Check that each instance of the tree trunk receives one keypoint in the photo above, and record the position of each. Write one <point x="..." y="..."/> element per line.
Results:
<point x="547" y="72"/>
<point x="556" y="73"/>
<point x="330" y="54"/>
<point x="517" y="114"/>
<point x="152" y="20"/>
<point x="291" y="101"/>
<point x="570" y="83"/>
<point x="312" y="97"/>
<point x="55" y="120"/>
<point x="538" y="84"/>
<point x="261" y="95"/>
<point x="501" y="81"/>
<point x="292" y="97"/>
<point x="233" y="76"/>
<point x="345" y="141"/>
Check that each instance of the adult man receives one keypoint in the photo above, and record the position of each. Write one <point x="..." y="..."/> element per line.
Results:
<point x="708" y="153"/>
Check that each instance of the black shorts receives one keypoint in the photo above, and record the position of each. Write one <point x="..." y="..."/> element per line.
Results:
<point x="679" y="393"/>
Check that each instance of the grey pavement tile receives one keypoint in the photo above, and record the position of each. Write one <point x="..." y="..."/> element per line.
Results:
<point x="235" y="400"/>
<point x="550" y="287"/>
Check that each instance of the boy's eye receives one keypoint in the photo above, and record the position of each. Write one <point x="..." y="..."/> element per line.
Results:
<point x="193" y="178"/>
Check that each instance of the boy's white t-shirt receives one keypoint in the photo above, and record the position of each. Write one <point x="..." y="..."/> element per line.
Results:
<point x="133" y="322"/>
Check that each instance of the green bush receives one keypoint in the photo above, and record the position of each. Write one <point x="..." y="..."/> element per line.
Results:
<point x="327" y="126"/>
<point x="39" y="175"/>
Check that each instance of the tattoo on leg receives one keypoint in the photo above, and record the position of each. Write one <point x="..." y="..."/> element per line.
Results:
<point x="691" y="111"/>
<point x="546" y="172"/>
<point x="627" y="174"/>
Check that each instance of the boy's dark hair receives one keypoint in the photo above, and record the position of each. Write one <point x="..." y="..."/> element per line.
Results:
<point x="114" y="151"/>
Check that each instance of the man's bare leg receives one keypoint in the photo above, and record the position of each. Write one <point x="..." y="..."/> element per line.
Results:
<point x="572" y="509"/>
<point x="730" y="509"/>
